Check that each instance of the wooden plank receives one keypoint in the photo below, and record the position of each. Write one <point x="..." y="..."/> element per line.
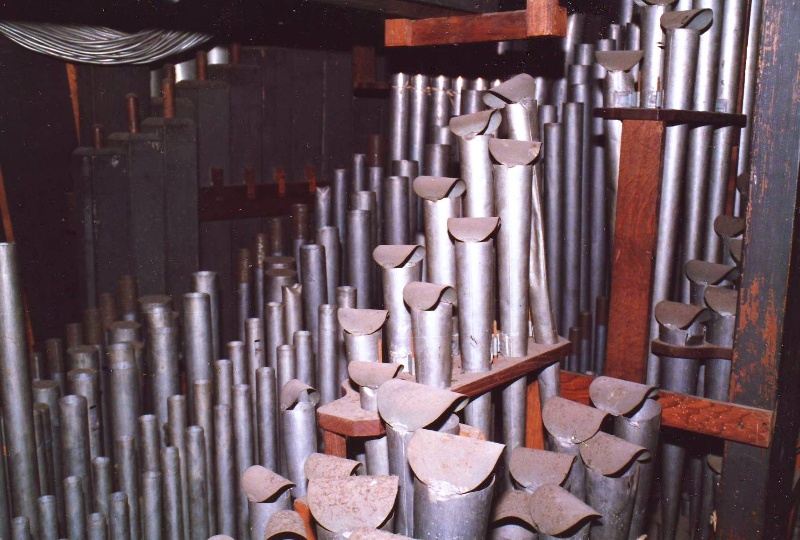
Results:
<point x="756" y="484"/>
<point x="632" y="252"/>
<point x="505" y="25"/>
<point x="546" y="18"/>
<point x="673" y="116"/>
<point x="747" y="425"/>
<point x="301" y="507"/>
<point x="534" y="428"/>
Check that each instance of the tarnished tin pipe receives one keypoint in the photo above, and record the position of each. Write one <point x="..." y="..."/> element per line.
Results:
<point x="328" y="238"/>
<point x="299" y="428"/>
<point x="150" y="442"/>
<point x="513" y="188"/>
<point x="358" y="174"/>
<point x="260" y="250"/>
<point x="237" y="355"/>
<point x="223" y="381"/>
<point x="730" y="62"/>
<point x="102" y="483"/>
<point x="287" y="365"/>
<point x="208" y="283"/>
<point x="346" y="297"/>
<point x="124" y="385"/>
<point x="267" y="427"/>
<point x="398" y="117"/>
<point x="48" y="517"/>
<point x="401" y="265"/>
<point x="409" y="169"/>
<point x="163" y="362"/>
<point x="432" y="327"/>
<point x="225" y="483"/>
<point x="275" y="333"/>
<point x="276" y="236"/>
<point x="652" y="68"/>
<point x="553" y="142"/>
<point x="440" y="101"/>
<point x="197" y="339"/>
<point x="15" y="391"/>
<point x="151" y="506"/>
<point x="473" y="133"/>
<point x="437" y="158"/>
<point x="292" y="311"/>
<point x="360" y="247"/>
<point x="128" y="292"/>
<point x="243" y="452"/>
<point x="74" y="414"/>
<point x="328" y="355"/>
<point x="323" y="207"/>
<point x="441" y="201"/>
<point x="243" y="280"/>
<point x="198" y="483"/>
<point x="441" y="500"/>
<point x="21" y="528"/>
<point x="315" y="285"/>
<point x="573" y="128"/>
<point x="396" y="200"/>
<point x="267" y="493"/>
<point x="75" y="508"/>
<point x="128" y="483"/>
<point x="204" y="418"/>
<point x="171" y="493"/>
<point x="339" y="185"/>
<point x="682" y="34"/>
<point x="176" y="435"/>
<point x="254" y="345"/>
<point x="84" y="382"/>
<point x="418" y="116"/>
<point x="363" y="333"/>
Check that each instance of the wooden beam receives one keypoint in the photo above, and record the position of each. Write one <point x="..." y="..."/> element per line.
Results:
<point x="633" y="249"/>
<point x="728" y="421"/>
<point x="546" y="18"/>
<point x="756" y="483"/>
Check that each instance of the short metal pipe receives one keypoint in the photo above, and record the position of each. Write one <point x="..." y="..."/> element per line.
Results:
<point x="128" y="481"/>
<point x="243" y="452"/>
<point x="315" y="285"/>
<point x="340" y="189"/>
<point x="197" y="339"/>
<point x="432" y="327"/>
<point x="118" y="517"/>
<point x="261" y="512"/>
<point x="395" y="201"/>
<point x="243" y="292"/>
<point x="102" y="483"/>
<point x="124" y="386"/>
<point x="440" y="202"/>
<point x="299" y="430"/>
<point x="398" y="116"/>
<point x="328" y="355"/>
<point x="171" y="493"/>
<point x="292" y="311"/>
<point x="75" y="508"/>
<point x="418" y="116"/>
<point x="75" y="456"/>
<point x="208" y="283"/>
<point x="151" y="505"/>
<point x="360" y="272"/>
<point x="328" y="238"/>
<point x="163" y="365"/>
<point x="47" y="514"/>
<point x="225" y="482"/>
<point x="651" y="72"/>
<point x="198" y="483"/>
<point x="437" y="516"/>
<point x="277" y="279"/>
<point x="409" y="168"/>
<point x="267" y="426"/>
<point x="176" y="435"/>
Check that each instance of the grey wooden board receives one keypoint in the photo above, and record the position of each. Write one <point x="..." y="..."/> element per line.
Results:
<point x="179" y="151"/>
<point x="145" y="167"/>
<point x="211" y="101"/>
<point x="246" y="122"/>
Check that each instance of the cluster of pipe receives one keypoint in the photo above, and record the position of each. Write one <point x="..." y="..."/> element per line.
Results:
<point x="709" y="318"/>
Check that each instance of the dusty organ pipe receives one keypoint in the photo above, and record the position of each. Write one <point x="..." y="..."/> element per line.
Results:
<point x="267" y="427"/>
<point x="176" y="435"/>
<point x="401" y="264"/>
<point x="398" y="117"/>
<point x="441" y="198"/>
<point x="730" y="61"/>
<point x="363" y="333"/>
<point x="327" y="354"/>
<point x="323" y="207"/>
<point x="128" y="480"/>
<point x="432" y="326"/>
<point x="260" y="248"/>
<point x="267" y="493"/>
<point x="225" y="481"/>
<point x="171" y="493"/>
<point x="683" y="36"/>
<point x="475" y="277"/>
<point x="15" y="391"/>
<point x="409" y="169"/>
<point x="243" y="452"/>
<point x="328" y="238"/>
<point x="652" y="68"/>
<point x="375" y="185"/>
<point x="417" y="121"/>
<point x="573" y="115"/>
<point x="102" y="476"/>
<point x="204" y="418"/>
<point x="243" y="290"/>
<point x="74" y="414"/>
<point x="553" y="144"/>
<point x="359" y="248"/>
<point x="124" y="387"/>
<point x="299" y="428"/>
<point x="474" y="132"/>
<point x="292" y="311"/>
<point x="396" y="200"/>
<point x="151" y="506"/>
<point x="163" y="362"/>
<point x="198" y="496"/>
<point x="340" y="203"/>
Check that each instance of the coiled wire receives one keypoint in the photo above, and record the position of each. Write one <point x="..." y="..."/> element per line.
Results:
<point x="100" y="45"/>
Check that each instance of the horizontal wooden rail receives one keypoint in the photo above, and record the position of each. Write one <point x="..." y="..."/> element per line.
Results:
<point x="541" y="18"/>
<point x="727" y="421"/>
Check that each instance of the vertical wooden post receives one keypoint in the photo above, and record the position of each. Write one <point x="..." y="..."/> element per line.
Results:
<point x="632" y="254"/>
<point x="756" y="490"/>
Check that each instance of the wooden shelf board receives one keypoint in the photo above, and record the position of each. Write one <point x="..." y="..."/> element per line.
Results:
<point x="726" y="421"/>
<point x="672" y="116"/>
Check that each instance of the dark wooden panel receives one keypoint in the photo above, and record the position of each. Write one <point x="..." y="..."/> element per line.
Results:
<point x="747" y="425"/>
<point x="233" y="202"/>
<point x="673" y="116"/>
<point x="339" y="140"/>
<point x="756" y="483"/>
<point x="181" y="225"/>
<point x="501" y="26"/>
<point x="632" y="252"/>
<point x="307" y="106"/>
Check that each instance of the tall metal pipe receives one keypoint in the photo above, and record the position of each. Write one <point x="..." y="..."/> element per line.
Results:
<point x="254" y="345"/>
<point x="54" y="356"/>
<point x="128" y="482"/>
<point x="225" y="483"/>
<point x="323" y="207"/>
<point x="304" y="348"/>
<point x="237" y="355"/>
<point x="327" y="354"/>
<point x="328" y="238"/>
<point x="299" y="429"/>
<point x="432" y="327"/>
<point x="292" y="311"/>
<point x="346" y="297"/>
<point x="124" y="385"/>
<point x="223" y="381"/>
<point x="150" y="442"/>
<point x="683" y="37"/>
<point x="340" y="189"/>
<point x="48" y="518"/>
<point x="473" y="133"/>
<point x="573" y="128"/>
<point x="315" y="285"/>
<point x="360" y="247"/>
<point x="163" y="364"/>
<point x="396" y="200"/>
<point x="204" y="418"/>
<point x="243" y="452"/>
<point x="171" y="493"/>
<point x="198" y="483"/>
<point x="398" y="117"/>
<point x="102" y="483"/>
<point x="401" y="265"/>
<point x="418" y="116"/>
<point x="409" y="169"/>
<point x="553" y="142"/>
<point x="441" y="198"/>
<point x="151" y="506"/>
<point x="74" y="414"/>
<point x="176" y="435"/>
<point x="275" y="334"/>
<point x="651" y="80"/>
<point x="732" y="36"/>
<point x="243" y="280"/>
<point x="267" y="426"/>
<point x="287" y="365"/>
<point x="358" y="173"/>
<point x="75" y="508"/>
<point x="15" y="391"/>
<point x="363" y="333"/>
<point x="84" y="382"/>
<point x="208" y="283"/>
<point x="197" y="339"/>
<point x="475" y="287"/>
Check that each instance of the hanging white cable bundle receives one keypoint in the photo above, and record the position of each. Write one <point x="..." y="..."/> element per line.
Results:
<point x="100" y="45"/>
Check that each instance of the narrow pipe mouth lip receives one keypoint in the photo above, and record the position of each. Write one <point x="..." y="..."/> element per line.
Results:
<point x="436" y="188"/>
<point x="555" y="510"/>
<point x="532" y="468"/>
<point x="722" y="300"/>
<point x="472" y="229"/>
<point x="513" y="153"/>
<point x="468" y="126"/>
<point x="319" y="465"/>
<point x="609" y="455"/>
<point x="282" y="524"/>
<point x="514" y="90"/>
<point x="690" y="19"/>
<point x="618" y="60"/>
<point x="678" y="315"/>
<point x="427" y="296"/>
<point x="619" y="397"/>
